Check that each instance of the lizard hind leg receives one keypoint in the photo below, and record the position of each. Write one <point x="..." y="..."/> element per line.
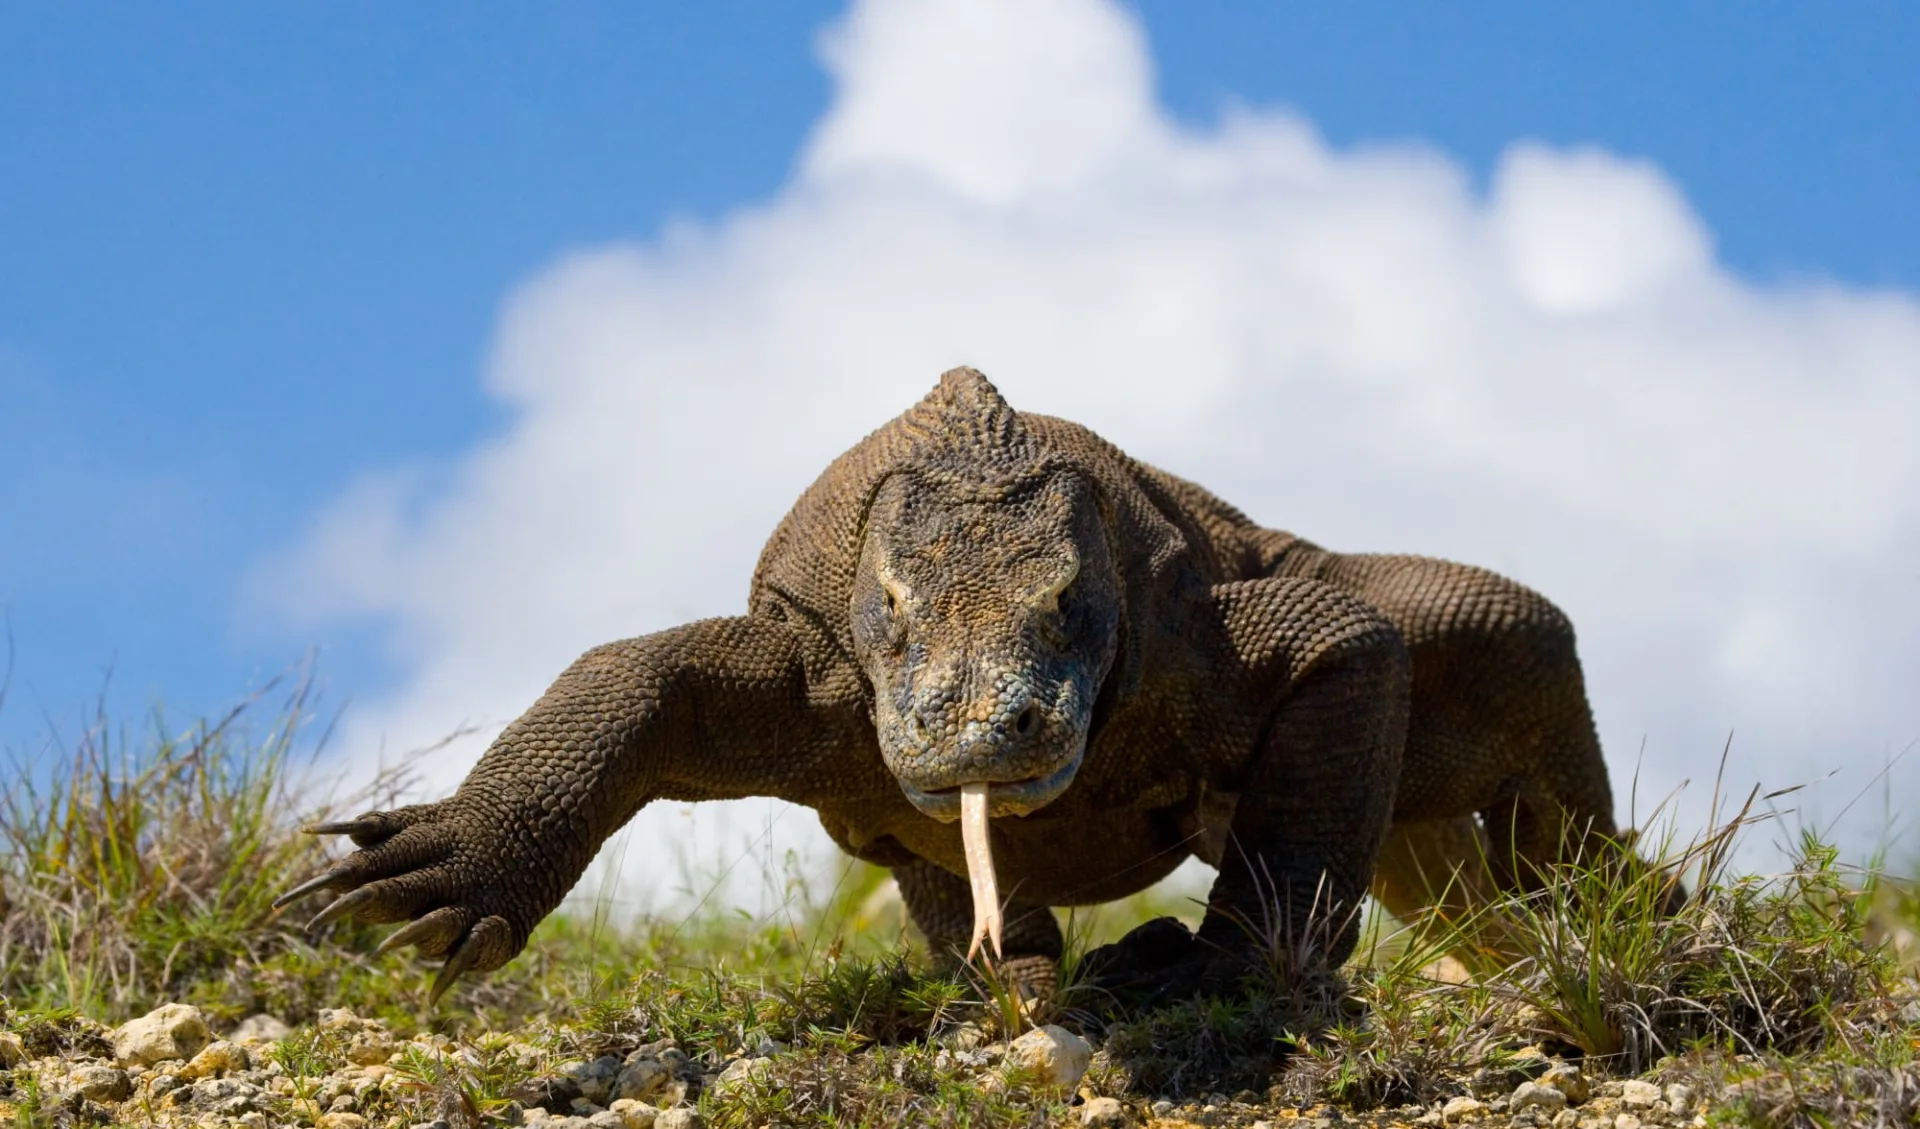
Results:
<point x="1434" y="877"/>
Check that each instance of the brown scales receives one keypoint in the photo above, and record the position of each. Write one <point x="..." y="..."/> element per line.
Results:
<point x="1121" y="666"/>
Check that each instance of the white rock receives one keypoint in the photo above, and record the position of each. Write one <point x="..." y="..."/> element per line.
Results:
<point x="168" y="1031"/>
<point x="1462" y="1108"/>
<point x="261" y="1028"/>
<point x="1050" y="1055"/>
<point x="680" y="1117"/>
<point x="1626" y="1121"/>
<point x="739" y="1071"/>
<point x="217" y="1058"/>
<point x="635" y="1115"/>
<point x="1533" y="1095"/>
<point x="1104" y="1113"/>
<point x="1569" y="1081"/>
<point x="1638" y="1094"/>
<point x="641" y="1079"/>
<point x="1680" y="1097"/>
<point x="13" y="1052"/>
<point x="103" y="1083"/>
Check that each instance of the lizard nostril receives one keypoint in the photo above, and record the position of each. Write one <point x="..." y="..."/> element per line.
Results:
<point x="1028" y="721"/>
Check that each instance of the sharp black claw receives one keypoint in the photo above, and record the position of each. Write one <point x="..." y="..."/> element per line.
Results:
<point x="456" y="965"/>
<point x="340" y="907"/>
<point x="406" y="935"/>
<point x="321" y="882"/>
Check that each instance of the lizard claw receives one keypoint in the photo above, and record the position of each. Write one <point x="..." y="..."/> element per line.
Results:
<point x="341" y="907"/>
<point x="341" y="827"/>
<point x="456" y="966"/>
<point x="371" y="829"/>
<point x="435" y="933"/>
<point x="488" y="946"/>
<point x="324" y="880"/>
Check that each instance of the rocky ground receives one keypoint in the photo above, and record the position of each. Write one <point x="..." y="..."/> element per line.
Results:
<point x="168" y="1068"/>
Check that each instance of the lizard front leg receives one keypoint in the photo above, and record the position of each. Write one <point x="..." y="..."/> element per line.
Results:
<point x="1327" y="679"/>
<point x="712" y="710"/>
<point x="941" y="904"/>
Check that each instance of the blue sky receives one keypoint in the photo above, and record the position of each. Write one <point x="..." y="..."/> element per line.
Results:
<point x="251" y="254"/>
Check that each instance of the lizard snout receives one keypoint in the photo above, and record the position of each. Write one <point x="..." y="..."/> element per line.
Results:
<point x="1025" y="744"/>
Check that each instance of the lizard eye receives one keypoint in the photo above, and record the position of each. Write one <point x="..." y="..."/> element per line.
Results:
<point x="890" y="611"/>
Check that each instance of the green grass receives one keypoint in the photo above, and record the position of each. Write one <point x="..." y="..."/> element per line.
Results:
<point x="140" y="870"/>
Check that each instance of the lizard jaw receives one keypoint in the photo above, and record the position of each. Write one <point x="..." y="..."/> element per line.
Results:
<point x="1020" y="797"/>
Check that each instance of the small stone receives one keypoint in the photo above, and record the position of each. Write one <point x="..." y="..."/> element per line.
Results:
<point x="229" y="1096"/>
<point x="641" y="1079"/>
<point x="1626" y="1121"/>
<point x="338" y="1019"/>
<point x="341" y="1121"/>
<point x="607" y="1119"/>
<point x="767" y="1048"/>
<point x="260" y="1028"/>
<point x="103" y="1083"/>
<point x="1163" y="1108"/>
<point x="681" y="1117"/>
<point x="13" y="1051"/>
<point x="1569" y="1081"/>
<point x="1462" y="1108"/>
<point x="168" y="1031"/>
<point x="436" y="1123"/>
<point x="1533" y="1095"/>
<point x="219" y="1057"/>
<point x="1051" y="1056"/>
<point x="368" y="1047"/>
<point x="1565" y="1119"/>
<point x="738" y="1072"/>
<point x="596" y="1079"/>
<point x="1636" y="1094"/>
<point x="1680" y="1097"/>
<point x="1104" y="1113"/>
<point x="1430" y="1119"/>
<point x="635" y="1115"/>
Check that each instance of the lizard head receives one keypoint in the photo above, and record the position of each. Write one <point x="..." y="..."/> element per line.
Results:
<point x="986" y="612"/>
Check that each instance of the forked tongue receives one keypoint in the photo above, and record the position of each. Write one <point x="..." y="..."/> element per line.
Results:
<point x="986" y="887"/>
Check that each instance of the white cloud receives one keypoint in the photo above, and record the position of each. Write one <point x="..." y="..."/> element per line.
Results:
<point x="1717" y="479"/>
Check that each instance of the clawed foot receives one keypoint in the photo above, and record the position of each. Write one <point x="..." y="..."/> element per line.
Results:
<point x="1160" y="962"/>
<point x="427" y="863"/>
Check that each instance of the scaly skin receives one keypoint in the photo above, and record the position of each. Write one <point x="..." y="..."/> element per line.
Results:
<point x="974" y="594"/>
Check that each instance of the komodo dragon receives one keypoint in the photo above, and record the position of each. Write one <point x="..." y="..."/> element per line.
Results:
<point x="981" y="610"/>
